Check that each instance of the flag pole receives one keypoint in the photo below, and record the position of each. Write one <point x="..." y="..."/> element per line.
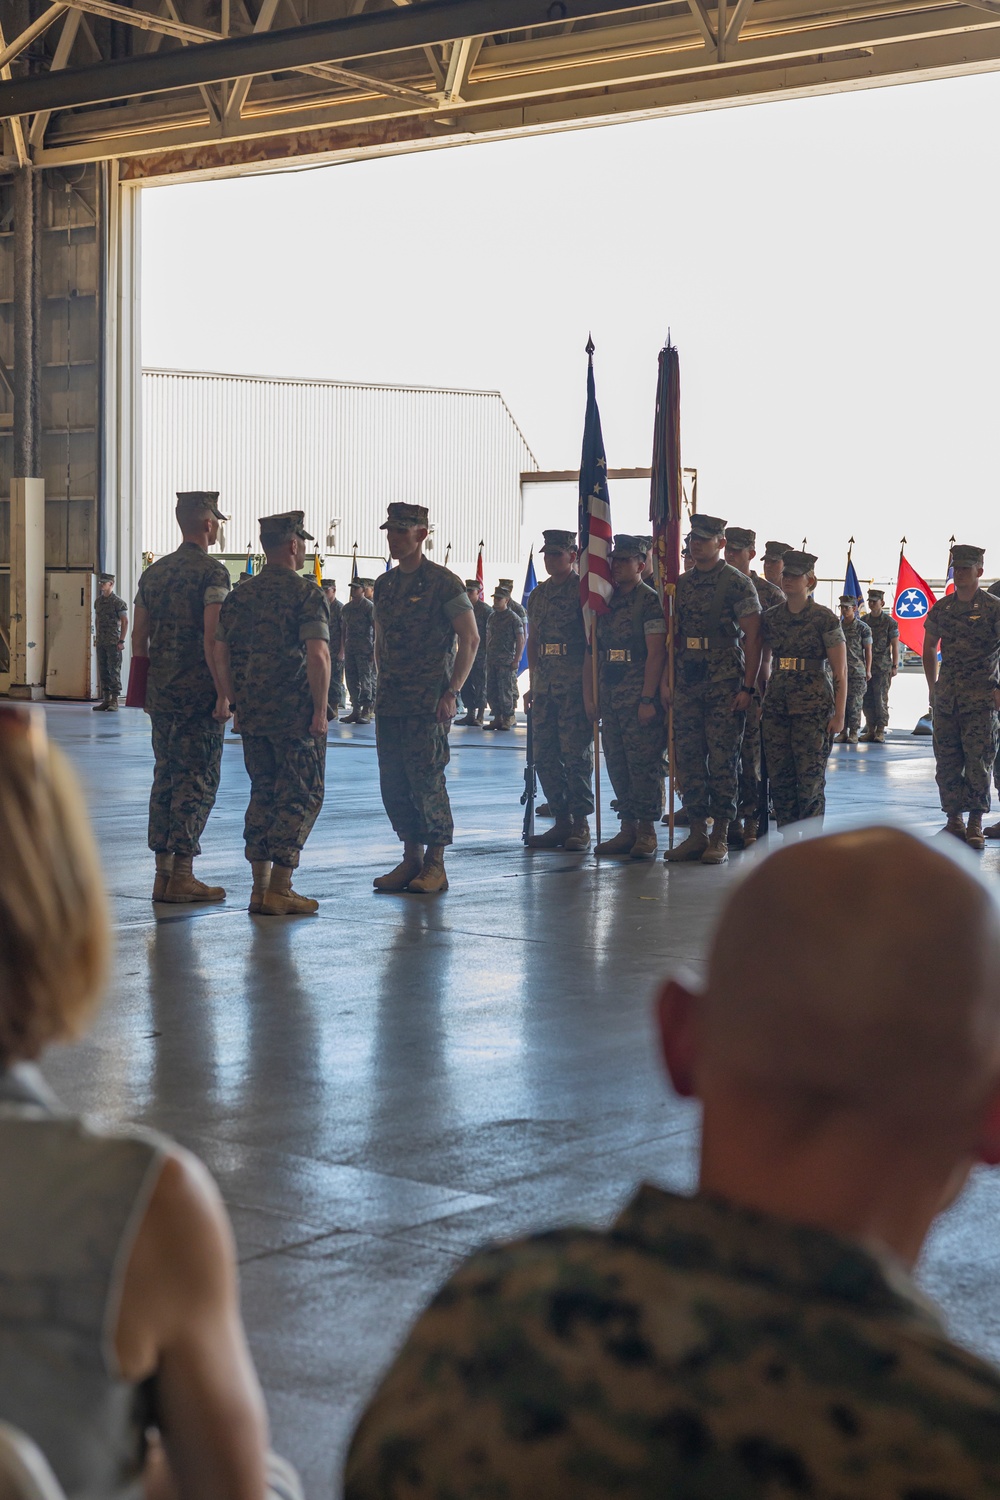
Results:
<point x="670" y="590"/>
<point x="597" y="724"/>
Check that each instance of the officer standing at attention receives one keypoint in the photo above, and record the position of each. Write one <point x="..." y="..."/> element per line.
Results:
<point x="806" y="693"/>
<point x="966" y="696"/>
<point x="741" y="545"/>
<point x="274" y="659"/>
<point x="561" y="728"/>
<point x="176" y="612"/>
<point x="773" y="554"/>
<point x="504" y="645"/>
<point x="714" y="685"/>
<point x="885" y="665"/>
<point x="338" y="693"/>
<point x="858" y="639"/>
<point x="420" y="609"/>
<point x="516" y="608"/>
<point x="631" y="648"/>
<point x="110" y="630"/>
<point x="474" y="691"/>
<point x="358" y="622"/>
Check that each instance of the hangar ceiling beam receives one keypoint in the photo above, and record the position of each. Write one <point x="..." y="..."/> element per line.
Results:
<point x="16" y="47"/>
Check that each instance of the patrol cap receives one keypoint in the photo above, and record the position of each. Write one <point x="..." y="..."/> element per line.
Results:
<point x="506" y="583"/>
<point x="105" y="578"/>
<point x="282" y="527"/>
<point x="329" y="583"/>
<point x="473" y="583"/>
<point x="741" y="538"/>
<point x="501" y="591"/>
<point x="851" y="599"/>
<point x="707" y="526"/>
<point x="629" y="546"/>
<point x="775" y="550"/>
<point x="194" y="503"/>
<point x="876" y="593"/>
<point x="797" y="564"/>
<point x="356" y="583"/>
<point x="401" y="514"/>
<point x="963" y="556"/>
<point x="367" y="583"/>
<point x="559" y="541"/>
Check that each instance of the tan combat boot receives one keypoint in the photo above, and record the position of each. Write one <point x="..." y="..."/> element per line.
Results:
<point x="879" y="735"/>
<point x="555" y="838"/>
<point x="993" y="832"/>
<point x="432" y="878"/>
<point x="717" y="852"/>
<point x="693" y="846"/>
<point x="867" y="735"/>
<point x="622" y="841"/>
<point x="261" y="869"/>
<point x="749" y="832"/>
<point x="365" y="716"/>
<point x="841" y="738"/>
<point x="102" y="707"/>
<point x="852" y="736"/>
<point x="645" y="842"/>
<point x="112" y="705"/>
<point x="351" y="718"/>
<point x="183" y="886"/>
<point x="956" y="826"/>
<point x="164" y="869"/>
<point x="408" y="869"/>
<point x="281" y="901"/>
<point x="974" y="836"/>
<point x="579" y="838"/>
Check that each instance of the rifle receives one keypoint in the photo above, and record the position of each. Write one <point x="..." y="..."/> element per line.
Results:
<point x="762" y="806"/>
<point x="530" y="785"/>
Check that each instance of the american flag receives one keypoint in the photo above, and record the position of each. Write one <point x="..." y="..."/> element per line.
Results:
<point x="595" y="510"/>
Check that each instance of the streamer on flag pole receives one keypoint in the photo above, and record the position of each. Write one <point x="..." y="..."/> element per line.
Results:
<point x="595" y="548"/>
<point x="317" y="568"/>
<point x="949" y="587"/>
<point x="665" y="501"/>
<point x="530" y="584"/>
<point x="249" y="560"/>
<point x="479" y="566"/>
<point x="354" y="570"/>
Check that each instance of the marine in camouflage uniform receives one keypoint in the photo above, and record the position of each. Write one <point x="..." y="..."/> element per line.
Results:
<point x="801" y="698"/>
<point x="522" y="614"/>
<point x="562" y="734"/>
<point x="631" y="640"/>
<point x="714" y="684"/>
<point x="177" y="600"/>
<point x="420" y="608"/>
<point x="504" y="644"/>
<point x="963" y="697"/>
<point x="858" y="639"/>
<point x="338" y="690"/>
<point x="474" y="688"/>
<point x="993" y="832"/>
<point x="358" y="623"/>
<point x="741" y="549"/>
<point x="110" y="623"/>
<point x="885" y="657"/>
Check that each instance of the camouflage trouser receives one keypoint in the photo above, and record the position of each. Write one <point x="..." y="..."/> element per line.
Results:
<point x="413" y="751"/>
<point x="359" y="666"/>
<point x="563" y="739"/>
<point x="633" y="752"/>
<point x="707" y="740"/>
<point x="797" y="747"/>
<point x="337" y="696"/>
<point x="474" y="688"/>
<point x="109" y="670"/>
<point x="965" y="748"/>
<point x="876" y="700"/>
<point x="501" y="689"/>
<point x="286" y="793"/>
<point x="857" y="686"/>
<point x="749" y="777"/>
<point x="187" y="761"/>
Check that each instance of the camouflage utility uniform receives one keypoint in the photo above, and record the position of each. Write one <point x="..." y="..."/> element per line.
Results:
<point x="181" y="696"/>
<point x="696" y="1350"/>
<point x="337" y="696"/>
<point x="965" y="719"/>
<point x="563" y="736"/>
<point x="266" y="623"/>
<point x="108" y="615"/>
<point x="857" y="635"/>
<point x="503" y="629"/>
<point x="633" y="752"/>
<point x="474" y="689"/>
<point x="876" y="701"/>
<point x="708" y="675"/>
<point x="768" y="595"/>
<point x="414" y="614"/>
<point x="994" y="589"/>
<point x="798" y="708"/>
<point x="358" y="621"/>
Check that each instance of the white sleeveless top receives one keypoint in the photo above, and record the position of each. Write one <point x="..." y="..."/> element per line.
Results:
<point x="71" y="1199"/>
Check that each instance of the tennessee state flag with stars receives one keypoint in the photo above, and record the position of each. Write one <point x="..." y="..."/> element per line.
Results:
<point x="911" y="606"/>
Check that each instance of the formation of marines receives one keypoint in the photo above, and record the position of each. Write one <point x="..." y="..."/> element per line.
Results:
<point x="762" y="675"/>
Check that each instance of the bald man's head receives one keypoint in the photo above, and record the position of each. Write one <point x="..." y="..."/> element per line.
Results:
<point x="882" y="987"/>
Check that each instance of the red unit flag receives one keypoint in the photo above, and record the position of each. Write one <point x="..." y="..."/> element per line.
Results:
<point x="911" y="606"/>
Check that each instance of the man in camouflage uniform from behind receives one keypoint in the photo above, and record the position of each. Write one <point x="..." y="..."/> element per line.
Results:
<point x="562" y="733"/>
<point x="858" y="639"/>
<point x="426" y="640"/>
<point x="474" y="688"/>
<point x="274" y="635"/>
<point x="176" y="612"/>
<point x="715" y="679"/>
<point x="993" y="832"/>
<point x="504" y="645"/>
<point x="338" y="690"/>
<point x="965" y="696"/>
<point x="741" y="549"/>
<point x="762" y="1338"/>
<point x="885" y="665"/>
<point x="110" y="629"/>
<point x="358" y="624"/>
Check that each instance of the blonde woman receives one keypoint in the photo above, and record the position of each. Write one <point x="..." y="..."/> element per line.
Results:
<point x="122" y="1351"/>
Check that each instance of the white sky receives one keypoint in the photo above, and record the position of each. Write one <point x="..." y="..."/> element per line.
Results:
<point x="828" y="268"/>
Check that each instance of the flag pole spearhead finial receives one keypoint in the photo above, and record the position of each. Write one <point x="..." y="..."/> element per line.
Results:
<point x="590" y="346"/>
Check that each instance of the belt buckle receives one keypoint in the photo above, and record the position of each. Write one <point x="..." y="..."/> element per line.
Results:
<point x="617" y="656"/>
<point x="693" y="642"/>
<point x="787" y="663"/>
<point x="550" y="649"/>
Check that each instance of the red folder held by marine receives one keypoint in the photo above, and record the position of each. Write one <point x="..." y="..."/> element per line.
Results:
<point x="138" y="674"/>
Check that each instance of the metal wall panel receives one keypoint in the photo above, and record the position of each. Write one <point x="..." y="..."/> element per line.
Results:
<point x="336" y="451"/>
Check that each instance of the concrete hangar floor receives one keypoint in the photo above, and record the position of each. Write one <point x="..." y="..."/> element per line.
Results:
<point x="381" y="1088"/>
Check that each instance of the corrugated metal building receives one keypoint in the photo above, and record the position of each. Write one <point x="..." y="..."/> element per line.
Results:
<point x="339" y="452"/>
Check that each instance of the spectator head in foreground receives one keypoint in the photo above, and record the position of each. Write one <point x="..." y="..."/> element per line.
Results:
<point x="762" y="1337"/>
<point x="115" y="1250"/>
